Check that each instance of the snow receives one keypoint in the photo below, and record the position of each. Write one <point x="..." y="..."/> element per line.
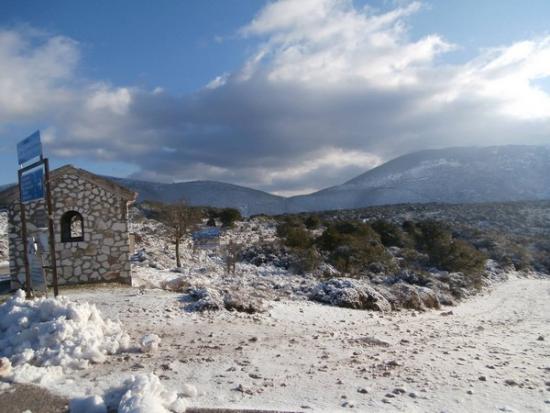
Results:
<point x="92" y="404"/>
<point x="146" y="394"/>
<point x="44" y="340"/>
<point x="5" y="367"/>
<point x="149" y="343"/>
<point x="46" y="332"/>
<point x="293" y="355"/>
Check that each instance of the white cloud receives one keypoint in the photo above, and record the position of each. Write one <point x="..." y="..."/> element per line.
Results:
<point x="331" y="42"/>
<point x="115" y="100"/>
<point x="34" y="73"/>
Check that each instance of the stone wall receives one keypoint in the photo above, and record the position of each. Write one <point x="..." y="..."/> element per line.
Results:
<point x="102" y="256"/>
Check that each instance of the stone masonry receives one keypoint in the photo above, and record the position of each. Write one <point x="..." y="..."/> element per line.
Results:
<point x="103" y="253"/>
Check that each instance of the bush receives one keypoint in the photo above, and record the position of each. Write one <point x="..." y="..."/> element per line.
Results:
<point x="352" y="246"/>
<point x="445" y="252"/>
<point x="390" y="234"/>
<point x="228" y="216"/>
<point x="312" y="222"/>
<point x="299" y="238"/>
<point x="305" y="260"/>
<point x="294" y="235"/>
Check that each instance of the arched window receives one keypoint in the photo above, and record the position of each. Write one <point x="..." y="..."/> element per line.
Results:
<point x="72" y="227"/>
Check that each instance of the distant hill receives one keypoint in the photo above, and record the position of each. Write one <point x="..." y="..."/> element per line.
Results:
<point x="208" y="193"/>
<point x="452" y="175"/>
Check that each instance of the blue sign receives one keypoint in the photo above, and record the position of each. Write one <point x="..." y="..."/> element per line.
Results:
<point x="32" y="185"/>
<point x="29" y="148"/>
<point x="206" y="233"/>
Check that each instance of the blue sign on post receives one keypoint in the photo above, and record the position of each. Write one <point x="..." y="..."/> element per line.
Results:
<point x="32" y="185"/>
<point x="206" y="233"/>
<point x="29" y="148"/>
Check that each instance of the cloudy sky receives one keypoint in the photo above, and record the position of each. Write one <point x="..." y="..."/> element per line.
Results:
<point x="286" y="96"/>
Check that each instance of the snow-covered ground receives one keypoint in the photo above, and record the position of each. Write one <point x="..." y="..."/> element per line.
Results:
<point x="489" y="354"/>
<point x="154" y="264"/>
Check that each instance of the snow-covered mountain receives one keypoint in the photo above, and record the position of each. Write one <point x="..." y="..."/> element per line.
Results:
<point x="452" y="175"/>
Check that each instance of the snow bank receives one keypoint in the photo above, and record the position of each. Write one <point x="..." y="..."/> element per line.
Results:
<point x="48" y="332"/>
<point x="146" y="394"/>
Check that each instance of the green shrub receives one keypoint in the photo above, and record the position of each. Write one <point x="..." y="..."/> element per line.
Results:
<point x="312" y="222"/>
<point x="298" y="237"/>
<point x="390" y="234"/>
<point x="305" y="260"/>
<point x="228" y="216"/>
<point x="445" y="252"/>
<point x="352" y="246"/>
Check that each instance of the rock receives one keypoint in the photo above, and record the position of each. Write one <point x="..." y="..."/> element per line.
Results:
<point x="414" y="297"/>
<point x="243" y="302"/>
<point x="240" y="388"/>
<point x="207" y="299"/>
<point x="447" y="313"/>
<point x="362" y="390"/>
<point x="540" y="338"/>
<point x="349" y="293"/>
<point x="510" y="382"/>
<point x="482" y="378"/>
<point x="176" y="284"/>
<point x="372" y="341"/>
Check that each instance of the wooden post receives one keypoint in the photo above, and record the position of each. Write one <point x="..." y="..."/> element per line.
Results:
<point x="51" y="227"/>
<point x="24" y="236"/>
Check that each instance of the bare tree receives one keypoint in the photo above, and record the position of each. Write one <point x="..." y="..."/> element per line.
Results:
<point x="179" y="219"/>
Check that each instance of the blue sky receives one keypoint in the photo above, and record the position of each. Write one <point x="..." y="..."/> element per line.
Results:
<point x="240" y="90"/>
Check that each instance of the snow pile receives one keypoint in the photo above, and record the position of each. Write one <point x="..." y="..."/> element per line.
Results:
<point x="48" y="332"/>
<point x="92" y="404"/>
<point x="146" y="394"/>
<point x="5" y="367"/>
<point x="149" y="343"/>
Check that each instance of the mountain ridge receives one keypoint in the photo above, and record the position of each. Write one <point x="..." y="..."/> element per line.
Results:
<point x="447" y="175"/>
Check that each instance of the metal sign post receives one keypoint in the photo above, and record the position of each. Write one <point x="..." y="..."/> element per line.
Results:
<point x="51" y="237"/>
<point x="34" y="184"/>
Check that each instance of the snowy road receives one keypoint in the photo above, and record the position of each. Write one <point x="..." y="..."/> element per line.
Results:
<point x="491" y="354"/>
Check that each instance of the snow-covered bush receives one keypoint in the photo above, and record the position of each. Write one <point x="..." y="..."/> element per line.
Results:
<point x="349" y="293"/>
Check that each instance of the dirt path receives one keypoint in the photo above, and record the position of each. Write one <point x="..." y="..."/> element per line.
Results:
<point x="491" y="354"/>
